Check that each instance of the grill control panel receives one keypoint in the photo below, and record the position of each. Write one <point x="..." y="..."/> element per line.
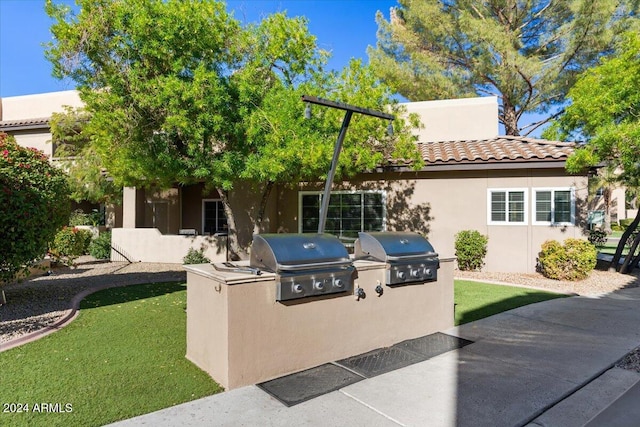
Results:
<point x="400" y="273"/>
<point x="314" y="283"/>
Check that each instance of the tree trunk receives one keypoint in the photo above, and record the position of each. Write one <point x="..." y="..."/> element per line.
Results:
<point x="635" y="261"/>
<point x="263" y="206"/>
<point x="616" y="257"/>
<point x="241" y="221"/>
<point x="509" y="118"/>
<point x="627" y="265"/>
<point x="235" y="251"/>
<point x="607" y="211"/>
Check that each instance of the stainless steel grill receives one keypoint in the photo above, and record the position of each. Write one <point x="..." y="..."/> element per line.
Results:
<point x="410" y="256"/>
<point x="305" y="264"/>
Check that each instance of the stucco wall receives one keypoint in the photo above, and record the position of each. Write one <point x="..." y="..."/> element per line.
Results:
<point x="149" y="245"/>
<point x="35" y="138"/>
<point x="457" y="119"/>
<point x="39" y="105"/>
<point x="440" y="204"/>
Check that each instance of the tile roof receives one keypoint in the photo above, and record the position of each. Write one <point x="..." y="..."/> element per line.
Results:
<point x="41" y="122"/>
<point x="501" y="149"/>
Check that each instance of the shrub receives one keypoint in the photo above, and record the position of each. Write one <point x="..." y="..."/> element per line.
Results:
<point x="100" y="247"/>
<point x="624" y="223"/>
<point x="597" y="238"/>
<point x="572" y="261"/>
<point x="34" y="204"/>
<point x="195" y="257"/>
<point x="69" y="244"/>
<point x="78" y="217"/>
<point x="471" y="248"/>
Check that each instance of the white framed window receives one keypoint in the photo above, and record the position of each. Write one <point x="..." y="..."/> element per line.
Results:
<point x="214" y="219"/>
<point x="507" y="206"/>
<point x="349" y="212"/>
<point x="554" y="206"/>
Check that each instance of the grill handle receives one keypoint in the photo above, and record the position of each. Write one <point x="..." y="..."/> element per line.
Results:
<point x="416" y="256"/>
<point x="295" y="267"/>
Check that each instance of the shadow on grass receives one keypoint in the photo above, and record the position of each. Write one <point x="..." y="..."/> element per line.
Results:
<point x="129" y="293"/>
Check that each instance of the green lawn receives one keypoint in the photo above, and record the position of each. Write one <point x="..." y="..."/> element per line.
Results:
<point x="123" y="356"/>
<point x="476" y="300"/>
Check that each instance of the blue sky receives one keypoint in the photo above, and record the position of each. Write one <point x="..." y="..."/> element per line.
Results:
<point x="344" y="27"/>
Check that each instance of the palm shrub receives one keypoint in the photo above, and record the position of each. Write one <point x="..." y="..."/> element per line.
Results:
<point x="572" y="261"/>
<point x="471" y="248"/>
<point x="195" y="256"/>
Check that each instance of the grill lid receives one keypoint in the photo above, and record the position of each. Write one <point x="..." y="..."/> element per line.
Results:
<point x="293" y="252"/>
<point x="393" y="246"/>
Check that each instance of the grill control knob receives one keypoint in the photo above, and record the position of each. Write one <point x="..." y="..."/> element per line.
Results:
<point x="338" y="283"/>
<point x="297" y="288"/>
<point x="427" y="272"/>
<point x="415" y="273"/>
<point x="319" y="286"/>
<point x="402" y="275"/>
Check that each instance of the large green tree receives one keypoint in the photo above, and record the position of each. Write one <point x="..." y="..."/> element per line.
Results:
<point x="34" y="205"/>
<point x="180" y="92"/>
<point x="526" y="52"/>
<point x="88" y="179"/>
<point x="605" y="112"/>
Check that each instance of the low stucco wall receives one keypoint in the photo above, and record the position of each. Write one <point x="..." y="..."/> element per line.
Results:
<point x="149" y="245"/>
<point x="239" y="334"/>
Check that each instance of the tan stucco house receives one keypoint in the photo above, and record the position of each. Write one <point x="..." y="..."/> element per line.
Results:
<point x="514" y="190"/>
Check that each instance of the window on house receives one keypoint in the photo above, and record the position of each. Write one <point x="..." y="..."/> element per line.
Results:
<point x="348" y="213"/>
<point x="213" y="218"/>
<point x="554" y="206"/>
<point x="507" y="206"/>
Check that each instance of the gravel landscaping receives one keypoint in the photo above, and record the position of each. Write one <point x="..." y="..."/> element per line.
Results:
<point x="598" y="283"/>
<point x="41" y="301"/>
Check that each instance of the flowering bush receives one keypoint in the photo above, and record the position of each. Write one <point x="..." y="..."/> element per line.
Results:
<point x="69" y="244"/>
<point x="34" y="204"/>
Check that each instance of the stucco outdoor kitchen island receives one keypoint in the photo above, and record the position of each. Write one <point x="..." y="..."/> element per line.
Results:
<point x="241" y="335"/>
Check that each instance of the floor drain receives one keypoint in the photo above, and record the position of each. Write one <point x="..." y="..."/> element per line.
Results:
<point x="302" y="386"/>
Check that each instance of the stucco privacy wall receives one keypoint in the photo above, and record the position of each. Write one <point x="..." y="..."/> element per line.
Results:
<point x="38" y="106"/>
<point x="440" y="204"/>
<point x="149" y="245"/>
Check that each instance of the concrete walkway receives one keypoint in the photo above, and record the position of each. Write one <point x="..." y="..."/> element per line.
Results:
<point x="546" y="364"/>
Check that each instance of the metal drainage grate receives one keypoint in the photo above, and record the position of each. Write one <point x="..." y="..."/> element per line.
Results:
<point x="403" y="354"/>
<point x="308" y="384"/>
<point x="433" y="345"/>
<point x="379" y="361"/>
<point x="302" y="386"/>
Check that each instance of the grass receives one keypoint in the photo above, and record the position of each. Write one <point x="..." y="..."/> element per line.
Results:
<point x="475" y="300"/>
<point x="122" y="357"/>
